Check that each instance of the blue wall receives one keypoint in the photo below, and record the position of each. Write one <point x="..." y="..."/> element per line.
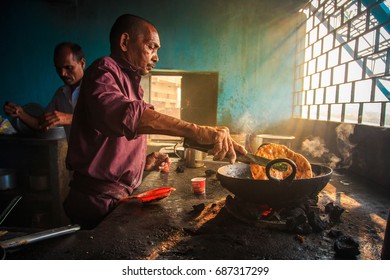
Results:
<point x="249" y="42"/>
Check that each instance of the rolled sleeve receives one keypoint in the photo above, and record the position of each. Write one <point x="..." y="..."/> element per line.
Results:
<point x="132" y="116"/>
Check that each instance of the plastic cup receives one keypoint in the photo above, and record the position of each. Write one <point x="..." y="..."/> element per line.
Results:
<point x="198" y="185"/>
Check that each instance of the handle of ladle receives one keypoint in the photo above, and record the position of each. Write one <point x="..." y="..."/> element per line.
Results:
<point x="288" y="180"/>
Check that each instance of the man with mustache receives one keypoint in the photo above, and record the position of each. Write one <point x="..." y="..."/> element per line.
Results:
<point x="69" y="63"/>
<point x="107" y="144"/>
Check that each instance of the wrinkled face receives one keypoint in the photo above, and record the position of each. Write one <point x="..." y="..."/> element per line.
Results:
<point x="141" y="52"/>
<point x="68" y="68"/>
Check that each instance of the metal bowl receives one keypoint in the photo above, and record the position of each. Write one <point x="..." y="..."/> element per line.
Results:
<point x="37" y="110"/>
<point x="57" y="132"/>
<point x="7" y="179"/>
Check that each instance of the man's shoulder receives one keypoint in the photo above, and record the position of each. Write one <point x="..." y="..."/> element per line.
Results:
<point x="61" y="90"/>
<point x="105" y="61"/>
<point x="103" y="64"/>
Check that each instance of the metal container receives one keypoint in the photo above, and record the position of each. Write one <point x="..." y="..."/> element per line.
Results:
<point x="192" y="158"/>
<point x="257" y="140"/>
<point x="7" y="179"/>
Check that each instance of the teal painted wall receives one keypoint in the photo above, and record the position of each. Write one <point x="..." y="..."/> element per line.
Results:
<point x="249" y="42"/>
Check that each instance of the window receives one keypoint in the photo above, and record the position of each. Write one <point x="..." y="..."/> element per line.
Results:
<point x="164" y="92"/>
<point x="188" y="95"/>
<point x="344" y="74"/>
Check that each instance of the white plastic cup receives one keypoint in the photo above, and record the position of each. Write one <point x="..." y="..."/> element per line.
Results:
<point x="198" y="185"/>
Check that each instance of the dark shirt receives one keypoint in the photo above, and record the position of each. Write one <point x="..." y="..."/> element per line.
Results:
<point x="104" y="143"/>
<point x="64" y="100"/>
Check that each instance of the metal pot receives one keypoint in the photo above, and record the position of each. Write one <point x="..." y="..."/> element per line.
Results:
<point x="7" y="179"/>
<point x="255" y="141"/>
<point x="192" y="157"/>
<point x="237" y="178"/>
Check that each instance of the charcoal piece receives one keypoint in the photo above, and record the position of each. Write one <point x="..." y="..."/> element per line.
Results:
<point x="335" y="233"/>
<point x="180" y="169"/>
<point x="303" y="229"/>
<point x="308" y="202"/>
<point x="199" y="207"/>
<point x="274" y="216"/>
<point x="295" y="218"/>
<point x="315" y="222"/>
<point x="334" y="212"/>
<point x="210" y="172"/>
<point x="346" y="247"/>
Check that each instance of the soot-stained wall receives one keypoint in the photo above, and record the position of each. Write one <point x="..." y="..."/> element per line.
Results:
<point x="250" y="43"/>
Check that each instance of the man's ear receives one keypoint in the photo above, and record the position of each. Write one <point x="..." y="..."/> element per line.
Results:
<point x="124" y="41"/>
<point x="83" y="62"/>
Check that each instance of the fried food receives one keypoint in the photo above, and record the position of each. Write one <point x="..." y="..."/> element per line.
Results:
<point x="274" y="151"/>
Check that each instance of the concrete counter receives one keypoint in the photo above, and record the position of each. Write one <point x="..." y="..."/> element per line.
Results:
<point x="187" y="226"/>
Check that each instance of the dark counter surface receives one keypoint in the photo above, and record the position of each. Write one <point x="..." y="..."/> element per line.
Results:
<point x="188" y="226"/>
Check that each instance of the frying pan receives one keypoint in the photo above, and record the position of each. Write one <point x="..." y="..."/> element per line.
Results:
<point x="289" y="192"/>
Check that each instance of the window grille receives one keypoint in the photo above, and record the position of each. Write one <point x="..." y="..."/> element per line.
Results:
<point x="342" y="62"/>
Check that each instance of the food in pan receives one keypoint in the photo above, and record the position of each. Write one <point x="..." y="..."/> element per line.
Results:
<point x="275" y="151"/>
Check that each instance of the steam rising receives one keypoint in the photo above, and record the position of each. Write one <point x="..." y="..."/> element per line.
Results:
<point x="246" y="123"/>
<point x="316" y="148"/>
<point x="344" y="132"/>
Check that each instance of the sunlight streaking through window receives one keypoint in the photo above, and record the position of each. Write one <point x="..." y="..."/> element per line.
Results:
<point x="344" y="71"/>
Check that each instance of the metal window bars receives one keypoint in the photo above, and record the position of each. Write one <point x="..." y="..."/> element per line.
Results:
<point x="342" y="62"/>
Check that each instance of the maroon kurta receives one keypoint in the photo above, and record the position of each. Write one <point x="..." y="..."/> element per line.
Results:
<point x="105" y="152"/>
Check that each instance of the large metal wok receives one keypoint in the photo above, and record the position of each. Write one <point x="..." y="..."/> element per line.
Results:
<point x="237" y="178"/>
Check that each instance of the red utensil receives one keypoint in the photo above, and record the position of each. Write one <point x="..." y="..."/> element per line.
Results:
<point x="152" y="195"/>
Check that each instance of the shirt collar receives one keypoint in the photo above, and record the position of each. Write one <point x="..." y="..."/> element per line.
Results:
<point x="126" y="66"/>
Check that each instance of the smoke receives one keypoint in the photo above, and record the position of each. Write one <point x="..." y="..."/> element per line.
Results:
<point x="333" y="161"/>
<point x="344" y="131"/>
<point x="344" y="146"/>
<point x="316" y="148"/>
<point x="246" y="123"/>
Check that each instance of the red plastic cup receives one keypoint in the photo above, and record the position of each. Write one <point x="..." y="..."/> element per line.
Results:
<point x="198" y="185"/>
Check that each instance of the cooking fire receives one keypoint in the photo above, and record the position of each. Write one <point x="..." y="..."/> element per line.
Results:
<point x="304" y="219"/>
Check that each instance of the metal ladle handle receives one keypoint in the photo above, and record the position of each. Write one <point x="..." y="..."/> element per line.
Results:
<point x="288" y="180"/>
<point x="176" y="151"/>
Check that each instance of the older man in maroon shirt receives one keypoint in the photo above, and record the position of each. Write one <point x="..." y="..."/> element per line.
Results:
<point x="107" y="145"/>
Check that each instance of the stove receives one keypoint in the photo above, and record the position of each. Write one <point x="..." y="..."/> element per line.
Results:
<point x="303" y="219"/>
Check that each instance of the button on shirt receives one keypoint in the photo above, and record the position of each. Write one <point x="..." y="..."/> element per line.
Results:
<point x="103" y="142"/>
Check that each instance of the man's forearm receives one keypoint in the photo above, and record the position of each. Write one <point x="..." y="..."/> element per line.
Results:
<point x="29" y="120"/>
<point x="153" y="122"/>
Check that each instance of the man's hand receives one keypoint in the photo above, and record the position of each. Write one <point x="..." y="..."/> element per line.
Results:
<point x="153" y="122"/>
<point x="157" y="161"/>
<point x="12" y="110"/>
<point x="52" y="119"/>
<point x="224" y="145"/>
